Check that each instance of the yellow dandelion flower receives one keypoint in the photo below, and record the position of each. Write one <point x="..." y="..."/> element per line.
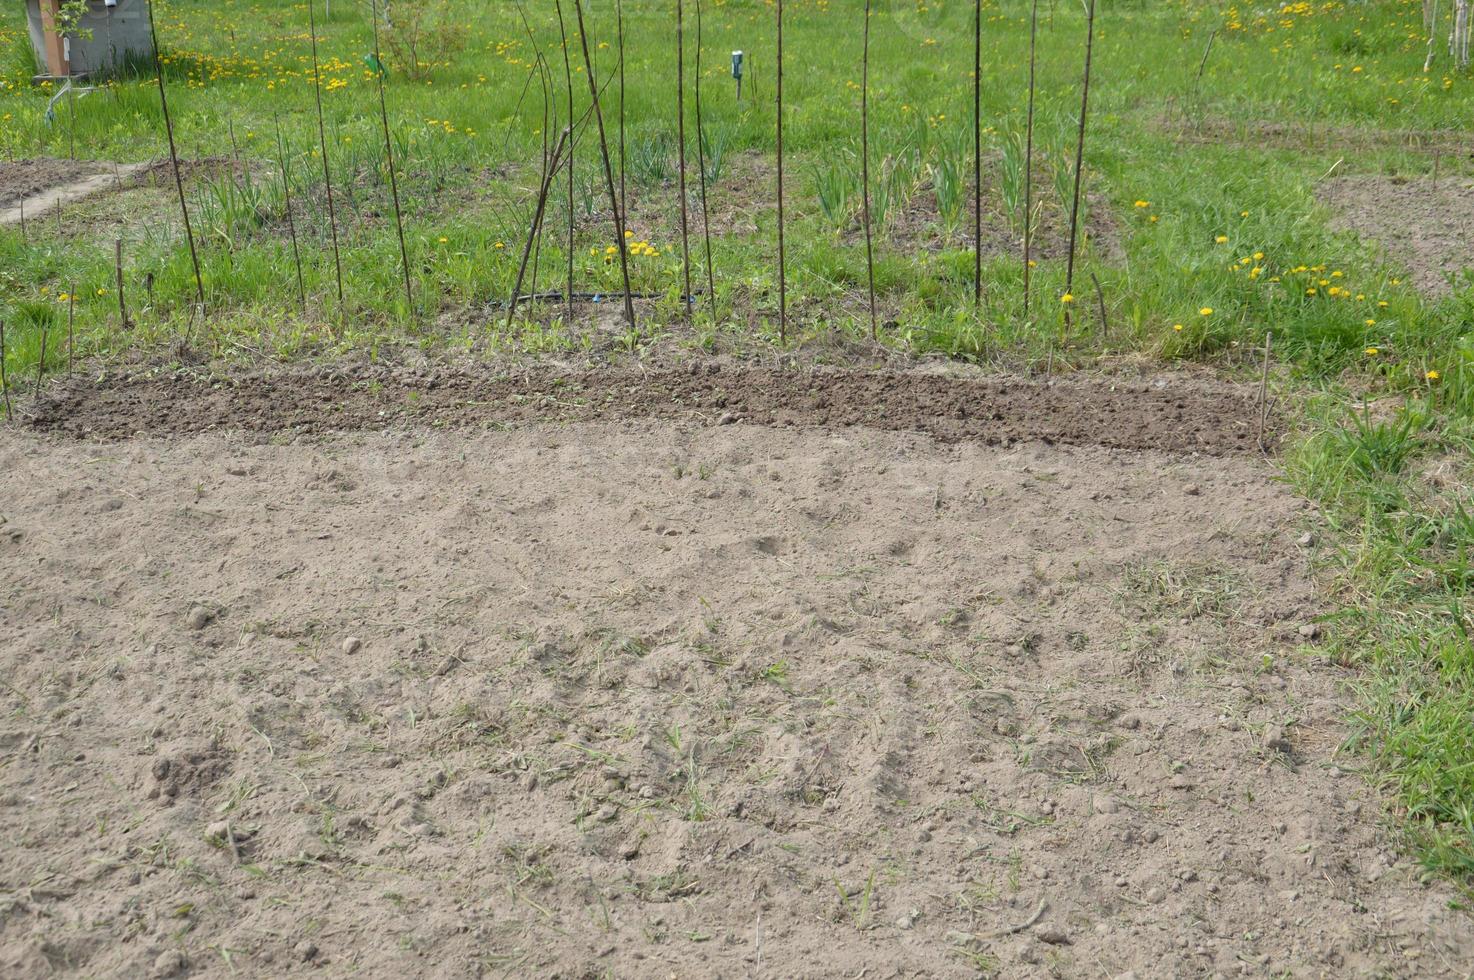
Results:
<point x="1221" y="239"/>
<point x="1373" y="351"/>
<point x="1432" y="375"/>
<point x="1067" y="298"/>
<point x="1206" y="311"/>
<point x="1177" y="327"/>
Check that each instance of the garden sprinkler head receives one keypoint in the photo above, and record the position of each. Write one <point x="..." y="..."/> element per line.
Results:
<point x="737" y="72"/>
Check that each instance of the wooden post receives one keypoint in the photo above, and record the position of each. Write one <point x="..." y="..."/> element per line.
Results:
<point x="57" y="64"/>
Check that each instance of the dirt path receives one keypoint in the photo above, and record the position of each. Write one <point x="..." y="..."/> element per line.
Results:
<point x="658" y="698"/>
<point x="1177" y="414"/>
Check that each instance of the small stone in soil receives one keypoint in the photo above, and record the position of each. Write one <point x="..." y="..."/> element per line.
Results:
<point x="352" y="645"/>
<point x="169" y="963"/>
<point x="198" y="618"/>
<point x="1275" y="740"/>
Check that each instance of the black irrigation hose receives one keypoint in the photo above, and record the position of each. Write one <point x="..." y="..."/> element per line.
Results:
<point x="588" y="297"/>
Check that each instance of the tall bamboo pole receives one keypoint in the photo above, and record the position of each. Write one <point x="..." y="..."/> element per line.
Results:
<point x="977" y="153"/>
<point x="711" y="292"/>
<point x="199" y="282"/>
<point x="681" y="140"/>
<point x="1029" y="160"/>
<point x="572" y="141"/>
<point x="619" y="19"/>
<point x="865" y="166"/>
<point x="1079" y="156"/>
<point x="619" y="244"/>
<point x="409" y="298"/>
<point x="782" y="255"/>
<point x="322" y="139"/>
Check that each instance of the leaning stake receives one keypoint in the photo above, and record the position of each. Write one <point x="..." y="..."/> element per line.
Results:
<point x="1079" y="157"/>
<point x="199" y="282"/>
<point x="322" y="139"/>
<point x="4" y="383"/>
<point x="568" y="84"/>
<point x="534" y="233"/>
<point x="624" y="261"/>
<point x="286" y="183"/>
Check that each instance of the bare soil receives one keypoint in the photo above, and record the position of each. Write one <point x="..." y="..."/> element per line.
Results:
<point x="1181" y="414"/>
<point x="636" y="695"/>
<point x="1448" y="143"/>
<point x="19" y="179"/>
<point x="1421" y="224"/>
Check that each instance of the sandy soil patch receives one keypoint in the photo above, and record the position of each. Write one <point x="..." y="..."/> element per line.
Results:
<point x="644" y="696"/>
<point x="1423" y="225"/>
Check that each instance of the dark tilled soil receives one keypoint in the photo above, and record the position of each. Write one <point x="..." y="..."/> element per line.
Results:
<point x="22" y="178"/>
<point x="1173" y="415"/>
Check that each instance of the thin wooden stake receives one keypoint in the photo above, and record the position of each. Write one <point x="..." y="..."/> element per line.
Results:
<point x="977" y="153"/>
<point x="199" y="282"/>
<point x="123" y="320"/>
<point x="1079" y="158"/>
<point x="619" y="26"/>
<point x="1105" y="327"/>
<point x="41" y="360"/>
<point x="711" y="291"/>
<point x="409" y="298"/>
<point x="286" y="182"/>
<point x="4" y="382"/>
<point x="568" y="84"/>
<point x="25" y="236"/>
<point x="1029" y="160"/>
<point x="681" y="140"/>
<point x="865" y="168"/>
<point x="782" y="254"/>
<point x="619" y="244"/>
<point x="71" y="324"/>
<point x="535" y="232"/>
<point x="550" y="118"/>
<point x="322" y="139"/>
<point x="1264" y="388"/>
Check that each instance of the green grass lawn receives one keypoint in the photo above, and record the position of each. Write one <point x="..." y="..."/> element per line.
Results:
<point x="1210" y="128"/>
